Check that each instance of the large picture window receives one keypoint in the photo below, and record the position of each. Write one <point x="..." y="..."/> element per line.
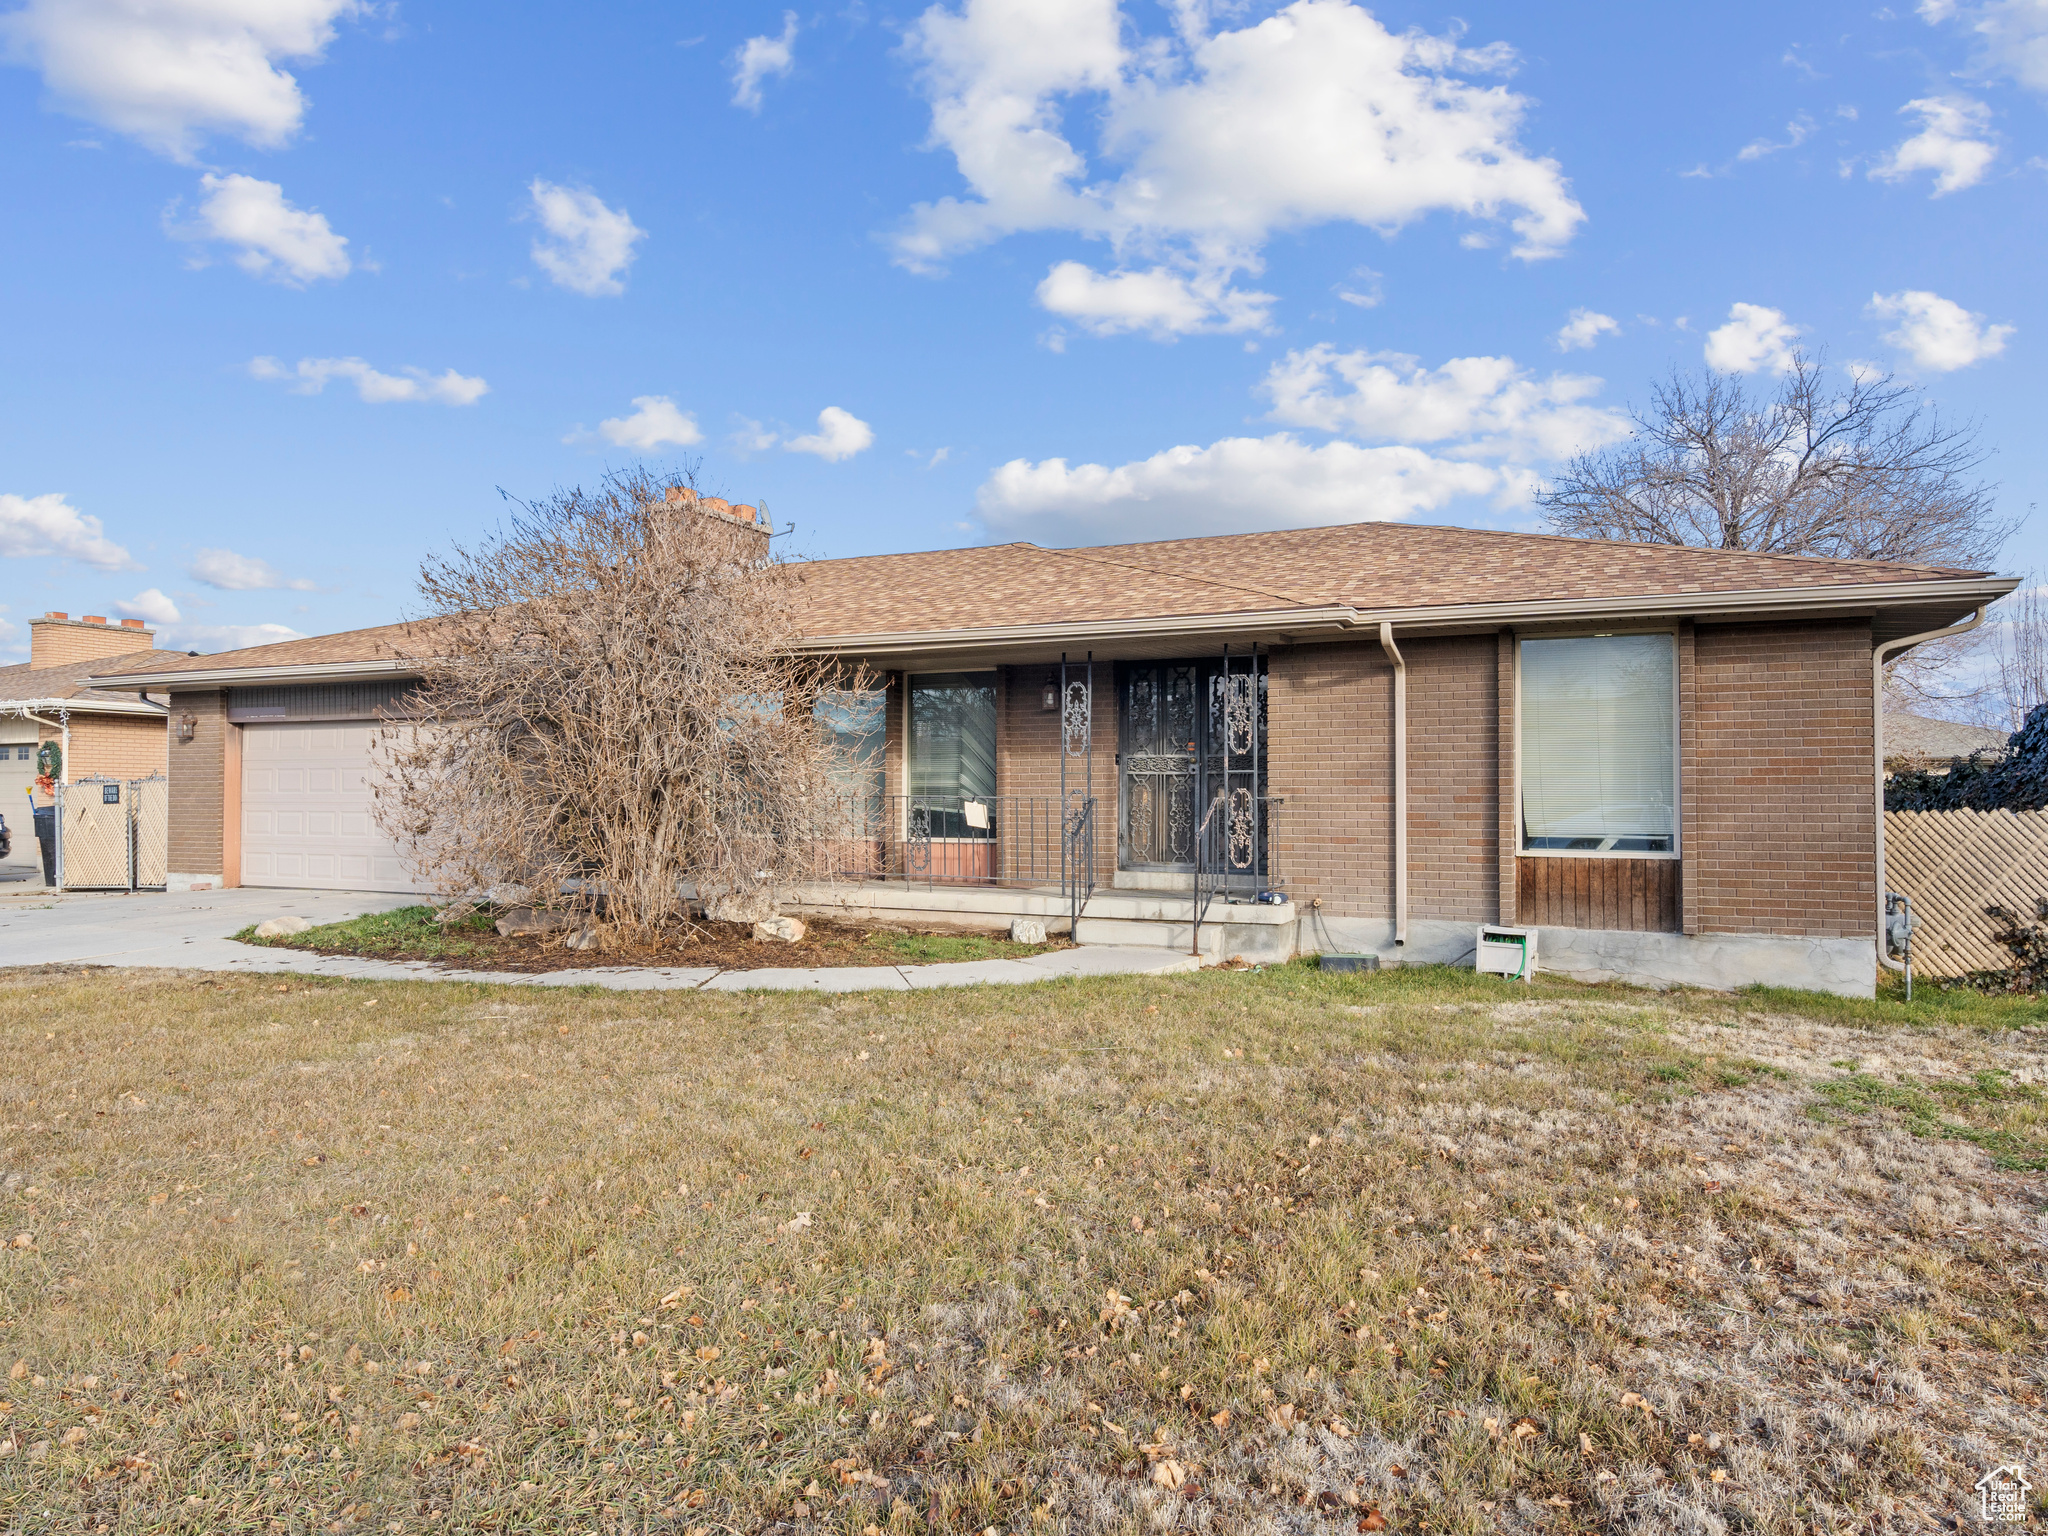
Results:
<point x="857" y="724"/>
<point x="953" y="749"/>
<point x="1598" y="752"/>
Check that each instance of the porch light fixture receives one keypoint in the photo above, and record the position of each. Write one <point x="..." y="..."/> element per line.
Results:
<point x="1049" y="697"/>
<point x="187" y="725"/>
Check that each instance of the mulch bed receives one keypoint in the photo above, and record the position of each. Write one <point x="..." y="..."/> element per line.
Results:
<point x="729" y="946"/>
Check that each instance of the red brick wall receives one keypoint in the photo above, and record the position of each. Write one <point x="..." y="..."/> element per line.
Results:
<point x="1331" y="755"/>
<point x="115" y="747"/>
<point x="1453" y="774"/>
<point x="1782" y="819"/>
<point x="1028" y="738"/>
<point x="1330" y="709"/>
<point x="198" y="771"/>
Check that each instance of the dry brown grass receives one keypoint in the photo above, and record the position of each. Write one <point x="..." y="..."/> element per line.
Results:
<point x="1235" y="1252"/>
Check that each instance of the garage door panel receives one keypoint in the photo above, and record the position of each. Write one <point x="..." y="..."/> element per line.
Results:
<point x="306" y="810"/>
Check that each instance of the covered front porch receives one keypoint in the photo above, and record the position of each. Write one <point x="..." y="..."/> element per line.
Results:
<point x="1119" y="800"/>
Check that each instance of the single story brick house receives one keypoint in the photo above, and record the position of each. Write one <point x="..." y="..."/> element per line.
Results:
<point x="1370" y="737"/>
<point x="117" y="734"/>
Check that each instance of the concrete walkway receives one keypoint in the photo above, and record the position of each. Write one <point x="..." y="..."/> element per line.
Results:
<point x="190" y="930"/>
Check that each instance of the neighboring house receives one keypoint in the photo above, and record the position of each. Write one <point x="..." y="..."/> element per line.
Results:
<point x="101" y="734"/>
<point x="1662" y="758"/>
<point x="1920" y="741"/>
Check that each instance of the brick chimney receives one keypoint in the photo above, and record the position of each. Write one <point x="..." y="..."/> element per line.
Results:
<point x="57" y="638"/>
<point x="717" y="506"/>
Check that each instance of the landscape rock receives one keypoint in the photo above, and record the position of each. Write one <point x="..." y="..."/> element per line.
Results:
<point x="787" y="929"/>
<point x="1027" y="930"/>
<point x="739" y="906"/>
<point x="583" y="938"/>
<point x="278" y="927"/>
<point x="527" y="920"/>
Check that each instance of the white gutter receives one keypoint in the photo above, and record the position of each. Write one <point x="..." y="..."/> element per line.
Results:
<point x="1877" y="661"/>
<point x="83" y="706"/>
<point x="1400" y="783"/>
<point x="228" y="677"/>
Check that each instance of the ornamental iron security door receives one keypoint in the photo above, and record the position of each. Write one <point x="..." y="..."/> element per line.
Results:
<point x="1193" y="765"/>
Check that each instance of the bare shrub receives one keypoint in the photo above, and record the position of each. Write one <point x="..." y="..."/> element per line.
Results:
<point x="615" y="710"/>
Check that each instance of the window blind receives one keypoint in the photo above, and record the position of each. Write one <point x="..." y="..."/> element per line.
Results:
<point x="1598" y="757"/>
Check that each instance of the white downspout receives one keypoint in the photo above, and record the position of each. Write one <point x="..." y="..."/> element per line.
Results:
<point x="1877" y="660"/>
<point x="1400" y="783"/>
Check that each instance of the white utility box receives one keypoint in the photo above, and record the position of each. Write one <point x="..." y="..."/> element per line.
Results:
<point x="1506" y="951"/>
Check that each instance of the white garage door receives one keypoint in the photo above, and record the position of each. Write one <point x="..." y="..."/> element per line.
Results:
<point x="306" y="810"/>
<point x="17" y="773"/>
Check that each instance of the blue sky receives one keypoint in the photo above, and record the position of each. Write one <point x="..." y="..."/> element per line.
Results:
<point x="292" y="288"/>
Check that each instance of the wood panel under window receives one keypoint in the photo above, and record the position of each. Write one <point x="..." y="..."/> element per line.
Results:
<point x="1638" y="895"/>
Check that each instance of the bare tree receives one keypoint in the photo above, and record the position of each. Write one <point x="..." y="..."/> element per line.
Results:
<point x="1863" y="472"/>
<point x="615" y="708"/>
<point x="2021" y="639"/>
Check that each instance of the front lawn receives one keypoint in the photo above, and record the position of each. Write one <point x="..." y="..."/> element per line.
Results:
<point x="1238" y="1251"/>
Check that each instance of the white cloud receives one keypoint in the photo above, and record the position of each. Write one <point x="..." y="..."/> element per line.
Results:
<point x="588" y="246"/>
<point x="151" y="606"/>
<point x="2011" y="36"/>
<point x="1952" y="142"/>
<point x="2014" y="40"/>
<point x="1485" y="407"/>
<point x="1237" y="484"/>
<point x="286" y="244"/>
<point x="230" y="572"/>
<point x="1159" y="301"/>
<point x="312" y="374"/>
<point x="1584" y="328"/>
<point x="1754" y="337"/>
<point x="1220" y="140"/>
<point x="1796" y="133"/>
<point x="230" y="637"/>
<point x="1476" y="426"/>
<point x="50" y="525"/>
<point x="1938" y="334"/>
<point x="751" y="437"/>
<point x="655" y="423"/>
<point x="760" y="57"/>
<point x="171" y="72"/>
<point x="1368" y="294"/>
<point x="840" y="435"/>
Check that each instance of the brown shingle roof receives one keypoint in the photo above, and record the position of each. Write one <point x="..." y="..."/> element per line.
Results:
<point x="67" y="681"/>
<point x="385" y="642"/>
<point x="1364" y="565"/>
<point x="1378" y="566"/>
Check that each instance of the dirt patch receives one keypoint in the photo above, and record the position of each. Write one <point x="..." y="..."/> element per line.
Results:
<point x="475" y="946"/>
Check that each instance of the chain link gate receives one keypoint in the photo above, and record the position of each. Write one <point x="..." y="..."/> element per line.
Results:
<point x="113" y="834"/>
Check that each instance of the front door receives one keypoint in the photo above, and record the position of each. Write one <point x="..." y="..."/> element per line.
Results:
<point x="1191" y="734"/>
<point x="1158" y="748"/>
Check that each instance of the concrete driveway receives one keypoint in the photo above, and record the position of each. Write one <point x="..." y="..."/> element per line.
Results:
<point x="191" y="930"/>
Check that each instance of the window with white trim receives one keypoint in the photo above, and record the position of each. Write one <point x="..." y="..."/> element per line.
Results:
<point x="1599" y="754"/>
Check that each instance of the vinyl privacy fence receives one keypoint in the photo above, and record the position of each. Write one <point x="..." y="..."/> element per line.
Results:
<point x="1954" y="864"/>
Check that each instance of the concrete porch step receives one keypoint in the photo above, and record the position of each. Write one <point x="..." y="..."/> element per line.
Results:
<point x="1153" y="919"/>
<point x="1179" y="907"/>
<point x="1255" y="931"/>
